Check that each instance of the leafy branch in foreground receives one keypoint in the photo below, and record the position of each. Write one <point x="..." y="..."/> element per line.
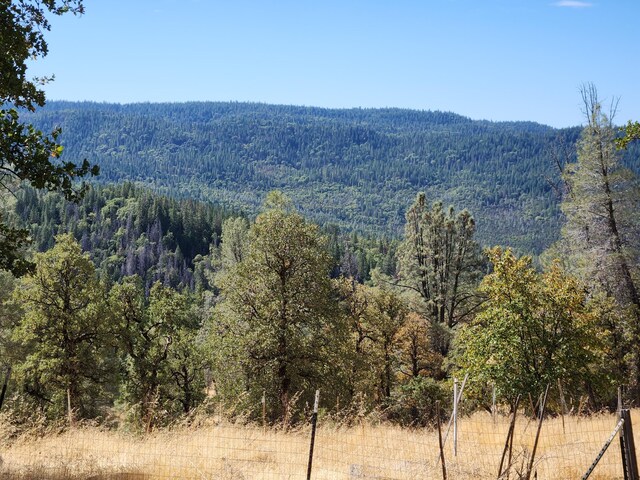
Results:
<point x="27" y="154"/>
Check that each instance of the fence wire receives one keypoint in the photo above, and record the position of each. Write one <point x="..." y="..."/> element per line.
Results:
<point x="567" y="446"/>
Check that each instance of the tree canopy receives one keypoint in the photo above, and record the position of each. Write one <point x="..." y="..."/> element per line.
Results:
<point x="534" y="330"/>
<point x="64" y="329"/>
<point x="599" y="240"/>
<point x="26" y="153"/>
<point x="276" y="301"/>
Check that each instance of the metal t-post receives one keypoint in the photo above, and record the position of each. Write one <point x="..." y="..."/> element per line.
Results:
<point x="455" y="417"/>
<point x="314" y="421"/>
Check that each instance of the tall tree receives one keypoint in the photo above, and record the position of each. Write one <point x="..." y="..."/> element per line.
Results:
<point x="277" y="302"/>
<point x="600" y="236"/>
<point x="63" y="330"/>
<point x="441" y="262"/>
<point x="25" y="152"/>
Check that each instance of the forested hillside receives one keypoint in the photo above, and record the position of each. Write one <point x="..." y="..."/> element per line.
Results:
<point x="130" y="230"/>
<point x="127" y="230"/>
<point x="359" y="169"/>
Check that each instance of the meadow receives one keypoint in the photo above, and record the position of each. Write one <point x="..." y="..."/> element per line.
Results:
<point x="366" y="450"/>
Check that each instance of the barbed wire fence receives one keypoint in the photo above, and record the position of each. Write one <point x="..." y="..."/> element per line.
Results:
<point x="498" y="442"/>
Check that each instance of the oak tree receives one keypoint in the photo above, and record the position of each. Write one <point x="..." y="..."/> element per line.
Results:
<point x="534" y="330"/>
<point x="26" y="153"/>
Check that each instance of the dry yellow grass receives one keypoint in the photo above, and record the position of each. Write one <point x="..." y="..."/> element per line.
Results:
<point x="227" y="451"/>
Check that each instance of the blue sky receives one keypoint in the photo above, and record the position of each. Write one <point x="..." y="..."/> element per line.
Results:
<point x="486" y="59"/>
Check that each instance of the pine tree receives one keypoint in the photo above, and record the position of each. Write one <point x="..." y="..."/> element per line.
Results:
<point x="440" y="261"/>
<point x="64" y="330"/>
<point x="277" y="305"/>
<point x="599" y="238"/>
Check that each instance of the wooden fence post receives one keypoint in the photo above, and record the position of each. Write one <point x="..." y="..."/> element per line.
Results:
<point x="563" y="403"/>
<point x="440" y="443"/>
<point x="7" y="377"/>
<point x="535" y="443"/>
<point x="508" y="444"/>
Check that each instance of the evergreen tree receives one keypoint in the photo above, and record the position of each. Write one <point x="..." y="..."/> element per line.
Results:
<point x="441" y="262"/>
<point x="64" y="331"/>
<point x="600" y="237"/>
<point x="276" y="304"/>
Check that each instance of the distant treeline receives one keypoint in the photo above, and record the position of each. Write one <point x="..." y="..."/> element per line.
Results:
<point x="355" y="168"/>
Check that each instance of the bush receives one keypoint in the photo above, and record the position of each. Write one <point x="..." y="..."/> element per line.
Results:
<point x="414" y="403"/>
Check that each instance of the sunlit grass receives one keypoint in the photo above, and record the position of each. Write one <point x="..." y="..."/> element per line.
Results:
<point x="381" y="451"/>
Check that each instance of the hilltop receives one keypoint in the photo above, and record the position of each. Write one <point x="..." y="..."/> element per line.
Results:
<point x="357" y="168"/>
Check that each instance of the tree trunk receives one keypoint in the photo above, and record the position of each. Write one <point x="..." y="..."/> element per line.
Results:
<point x="5" y="384"/>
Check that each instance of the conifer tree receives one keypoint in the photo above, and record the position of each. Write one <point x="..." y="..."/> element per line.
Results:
<point x="440" y="261"/>
<point x="64" y="330"/>
<point x="600" y="237"/>
<point x="276" y="305"/>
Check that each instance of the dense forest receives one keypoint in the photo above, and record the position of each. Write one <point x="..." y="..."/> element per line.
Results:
<point x="139" y="308"/>
<point x="130" y="230"/>
<point x="354" y="168"/>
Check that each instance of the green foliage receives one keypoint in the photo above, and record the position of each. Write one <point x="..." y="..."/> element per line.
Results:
<point x="414" y="402"/>
<point x="276" y="308"/>
<point x="25" y="152"/>
<point x="9" y="313"/>
<point x="12" y="244"/>
<point x="22" y="31"/>
<point x="375" y="317"/>
<point x="599" y="240"/>
<point x="234" y="241"/>
<point x="64" y="331"/>
<point x="128" y="230"/>
<point x="358" y="169"/>
<point x="631" y="132"/>
<point x="441" y="262"/>
<point x="162" y="362"/>
<point x="534" y="330"/>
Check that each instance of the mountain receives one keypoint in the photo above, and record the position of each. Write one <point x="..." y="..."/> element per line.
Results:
<point x="357" y="168"/>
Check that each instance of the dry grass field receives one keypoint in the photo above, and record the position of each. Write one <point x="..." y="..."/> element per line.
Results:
<point x="366" y="451"/>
